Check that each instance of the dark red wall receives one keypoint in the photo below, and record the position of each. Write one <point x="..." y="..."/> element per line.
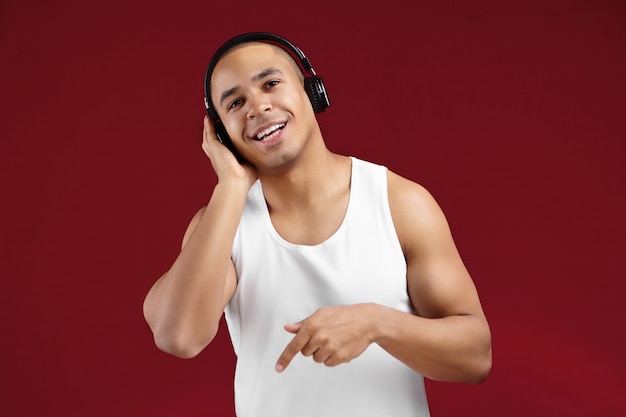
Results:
<point x="511" y="112"/>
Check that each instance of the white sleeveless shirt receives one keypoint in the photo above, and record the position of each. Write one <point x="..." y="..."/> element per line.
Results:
<point x="280" y="282"/>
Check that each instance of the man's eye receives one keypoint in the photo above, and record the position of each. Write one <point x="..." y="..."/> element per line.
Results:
<point x="272" y="83"/>
<point x="235" y="103"/>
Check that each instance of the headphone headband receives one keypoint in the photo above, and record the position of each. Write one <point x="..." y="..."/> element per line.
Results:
<point x="313" y="84"/>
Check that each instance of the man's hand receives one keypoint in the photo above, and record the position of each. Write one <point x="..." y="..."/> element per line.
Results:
<point x="222" y="159"/>
<point x="332" y="335"/>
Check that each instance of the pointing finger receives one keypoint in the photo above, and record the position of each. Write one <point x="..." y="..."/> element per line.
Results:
<point x="292" y="349"/>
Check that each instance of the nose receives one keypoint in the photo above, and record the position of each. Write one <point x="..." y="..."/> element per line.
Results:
<point x="258" y="104"/>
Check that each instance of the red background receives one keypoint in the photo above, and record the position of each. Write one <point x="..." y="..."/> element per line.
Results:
<point x="511" y="113"/>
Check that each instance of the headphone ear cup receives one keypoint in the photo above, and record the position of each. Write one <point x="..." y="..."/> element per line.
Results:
<point x="220" y="132"/>
<point x="211" y="112"/>
<point x="316" y="91"/>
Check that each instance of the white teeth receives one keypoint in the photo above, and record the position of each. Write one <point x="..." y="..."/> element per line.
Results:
<point x="269" y="130"/>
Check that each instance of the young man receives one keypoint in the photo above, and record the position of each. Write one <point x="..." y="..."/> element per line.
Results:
<point x="340" y="280"/>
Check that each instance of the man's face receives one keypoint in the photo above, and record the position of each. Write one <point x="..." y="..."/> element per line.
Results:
<point x="261" y="102"/>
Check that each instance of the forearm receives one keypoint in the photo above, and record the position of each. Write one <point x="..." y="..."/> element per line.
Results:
<point x="184" y="306"/>
<point x="454" y="348"/>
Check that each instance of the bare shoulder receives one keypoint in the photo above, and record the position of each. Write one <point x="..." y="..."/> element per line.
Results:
<point x="403" y="191"/>
<point x="416" y="214"/>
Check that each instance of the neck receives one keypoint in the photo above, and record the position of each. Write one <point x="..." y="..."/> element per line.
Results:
<point x="307" y="182"/>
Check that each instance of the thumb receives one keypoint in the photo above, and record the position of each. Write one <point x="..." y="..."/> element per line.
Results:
<point x="294" y="327"/>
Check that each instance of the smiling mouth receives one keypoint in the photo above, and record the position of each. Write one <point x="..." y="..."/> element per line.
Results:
<point x="270" y="132"/>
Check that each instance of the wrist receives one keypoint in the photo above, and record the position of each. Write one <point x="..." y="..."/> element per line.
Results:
<point x="386" y="324"/>
<point x="377" y="321"/>
<point x="234" y="184"/>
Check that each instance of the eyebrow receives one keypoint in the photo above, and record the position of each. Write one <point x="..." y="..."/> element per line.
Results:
<point x="265" y="73"/>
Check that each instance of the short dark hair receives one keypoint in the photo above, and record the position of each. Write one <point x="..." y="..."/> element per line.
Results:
<point x="276" y="48"/>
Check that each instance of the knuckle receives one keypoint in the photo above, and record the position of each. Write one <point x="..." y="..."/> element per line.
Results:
<point x="312" y="326"/>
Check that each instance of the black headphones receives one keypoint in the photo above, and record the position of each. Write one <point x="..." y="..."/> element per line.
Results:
<point x="313" y="85"/>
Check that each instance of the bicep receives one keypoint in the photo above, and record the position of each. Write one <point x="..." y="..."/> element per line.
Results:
<point x="231" y="277"/>
<point x="438" y="282"/>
